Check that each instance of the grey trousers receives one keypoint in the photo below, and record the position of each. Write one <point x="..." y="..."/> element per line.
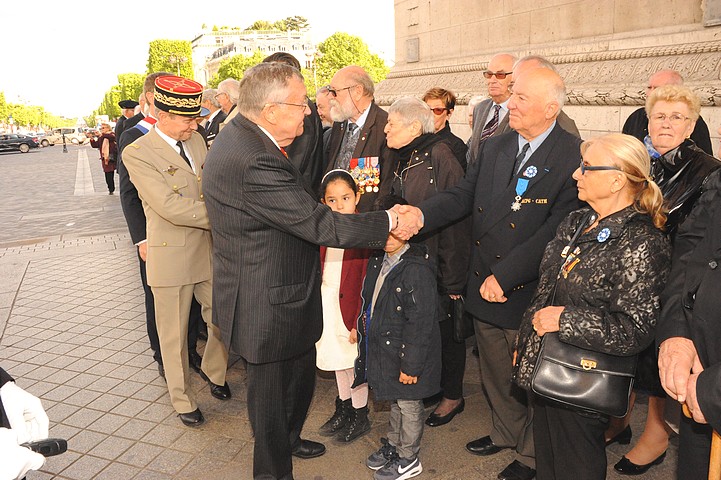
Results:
<point x="406" y="427"/>
<point x="511" y="413"/>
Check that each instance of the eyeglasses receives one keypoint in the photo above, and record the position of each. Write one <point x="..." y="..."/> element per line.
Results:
<point x="591" y="168"/>
<point x="673" y="119"/>
<point x="302" y="106"/>
<point x="498" y="75"/>
<point x="219" y="94"/>
<point x="334" y="91"/>
<point x="439" y="110"/>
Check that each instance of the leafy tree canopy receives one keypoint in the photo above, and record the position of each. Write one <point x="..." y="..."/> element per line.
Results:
<point x="235" y="67"/>
<point x="295" y="22"/>
<point x="171" y="56"/>
<point x="30" y="115"/>
<point x="340" y="50"/>
<point x="129" y="87"/>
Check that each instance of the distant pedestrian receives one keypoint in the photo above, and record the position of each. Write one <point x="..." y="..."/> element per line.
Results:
<point x="108" y="154"/>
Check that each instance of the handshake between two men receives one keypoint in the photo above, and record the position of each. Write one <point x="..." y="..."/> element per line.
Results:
<point x="407" y="222"/>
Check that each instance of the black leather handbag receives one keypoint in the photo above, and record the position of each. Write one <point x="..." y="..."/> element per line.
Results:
<point x="581" y="378"/>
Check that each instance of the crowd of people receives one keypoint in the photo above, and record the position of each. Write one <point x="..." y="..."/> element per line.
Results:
<point x="369" y="243"/>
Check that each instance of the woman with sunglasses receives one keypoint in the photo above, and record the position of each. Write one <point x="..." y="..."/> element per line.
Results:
<point x="601" y="293"/>
<point x="442" y="103"/>
<point x="424" y="165"/>
<point x="680" y="169"/>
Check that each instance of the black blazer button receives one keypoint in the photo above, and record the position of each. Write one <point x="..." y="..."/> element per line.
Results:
<point x="478" y="243"/>
<point x="480" y="209"/>
<point x="498" y="257"/>
<point x="476" y="274"/>
<point x="513" y="225"/>
<point x="713" y="264"/>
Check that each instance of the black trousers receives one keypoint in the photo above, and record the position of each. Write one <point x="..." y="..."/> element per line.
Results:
<point x="569" y="445"/>
<point x="194" y="320"/>
<point x="110" y="181"/>
<point x="453" y="362"/>
<point x="279" y="395"/>
<point x="694" y="449"/>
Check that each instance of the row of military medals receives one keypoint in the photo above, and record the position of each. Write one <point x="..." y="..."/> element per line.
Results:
<point x="522" y="186"/>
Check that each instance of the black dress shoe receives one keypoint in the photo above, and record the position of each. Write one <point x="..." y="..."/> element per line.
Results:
<point x="192" y="419"/>
<point x="517" y="471"/>
<point x="622" y="438"/>
<point x="627" y="467"/>
<point x="308" y="449"/>
<point x="435" y="420"/>
<point x="483" y="446"/>
<point x="221" y="392"/>
<point x="195" y="361"/>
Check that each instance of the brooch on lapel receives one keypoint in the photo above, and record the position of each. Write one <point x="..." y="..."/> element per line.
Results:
<point x="171" y="170"/>
<point x="530" y="172"/>
<point x="603" y="235"/>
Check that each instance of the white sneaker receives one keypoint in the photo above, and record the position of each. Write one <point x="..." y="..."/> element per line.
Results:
<point x="399" y="469"/>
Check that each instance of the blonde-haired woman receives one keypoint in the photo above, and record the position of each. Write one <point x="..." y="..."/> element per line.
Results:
<point x="680" y="169"/>
<point x="601" y="294"/>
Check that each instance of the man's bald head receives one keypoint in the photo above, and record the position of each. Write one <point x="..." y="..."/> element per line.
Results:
<point x="538" y="97"/>
<point x="661" y="78"/>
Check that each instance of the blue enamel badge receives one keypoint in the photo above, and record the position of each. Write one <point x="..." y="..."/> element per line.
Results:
<point x="603" y="235"/>
<point x="530" y="172"/>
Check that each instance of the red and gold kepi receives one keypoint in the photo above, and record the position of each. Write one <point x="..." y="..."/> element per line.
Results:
<point x="178" y="95"/>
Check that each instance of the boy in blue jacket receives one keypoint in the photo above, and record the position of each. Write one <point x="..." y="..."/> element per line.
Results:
<point x="399" y="347"/>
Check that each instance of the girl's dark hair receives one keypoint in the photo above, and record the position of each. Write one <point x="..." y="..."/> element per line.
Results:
<point x="337" y="175"/>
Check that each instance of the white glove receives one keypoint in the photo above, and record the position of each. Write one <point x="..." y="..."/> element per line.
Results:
<point x="25" y="413"/>
<point x="16" y="461"/>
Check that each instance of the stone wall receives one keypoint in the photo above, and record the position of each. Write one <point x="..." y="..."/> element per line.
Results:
<point x="604" y="49"/>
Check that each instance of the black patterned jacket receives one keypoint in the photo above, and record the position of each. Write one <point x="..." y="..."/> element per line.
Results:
<point x="611" y="296"/>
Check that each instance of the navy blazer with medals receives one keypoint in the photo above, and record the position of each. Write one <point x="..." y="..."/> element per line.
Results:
<point x="506" y="243"/>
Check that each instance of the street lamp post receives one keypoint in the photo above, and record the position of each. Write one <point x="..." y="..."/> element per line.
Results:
<point x="177" y="60"/>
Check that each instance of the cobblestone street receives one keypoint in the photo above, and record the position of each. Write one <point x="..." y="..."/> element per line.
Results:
<point x="72" y="332"/>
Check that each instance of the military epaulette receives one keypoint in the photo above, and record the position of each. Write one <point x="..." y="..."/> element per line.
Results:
<point x="133" y="145"/>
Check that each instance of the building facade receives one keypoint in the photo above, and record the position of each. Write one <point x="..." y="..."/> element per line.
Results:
<point x="211" y="47"/>
<point x="604" y="49"/>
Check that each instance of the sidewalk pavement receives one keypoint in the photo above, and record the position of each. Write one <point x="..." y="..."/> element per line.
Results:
<point x="72" y="332"/>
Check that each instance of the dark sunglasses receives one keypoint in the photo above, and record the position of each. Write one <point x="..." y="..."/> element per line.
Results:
<point x="499" y="75"/>
<point x="590" y="168"/>
<point x="439" y="110"/>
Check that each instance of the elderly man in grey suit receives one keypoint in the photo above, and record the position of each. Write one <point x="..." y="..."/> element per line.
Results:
<point x="266" y="230"/>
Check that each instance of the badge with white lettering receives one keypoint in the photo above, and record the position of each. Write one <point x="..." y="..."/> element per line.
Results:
<point x="530" y="172"/>
<point x="603" y="235"/>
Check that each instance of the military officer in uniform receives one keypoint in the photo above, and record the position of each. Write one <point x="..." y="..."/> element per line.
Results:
<point x="165" y="165"/>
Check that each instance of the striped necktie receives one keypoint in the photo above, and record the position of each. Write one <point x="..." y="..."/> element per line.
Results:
<point x="491" y="126"/>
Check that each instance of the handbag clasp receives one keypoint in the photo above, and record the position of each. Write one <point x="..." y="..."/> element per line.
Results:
<point x="588" y="364"/>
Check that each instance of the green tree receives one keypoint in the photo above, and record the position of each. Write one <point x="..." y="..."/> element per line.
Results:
<point x="235" y="67"/>
<point x="130" y="85"/>
<point x="3" y="108"/>
<point x="261" y="25"/>
<point x="340" y="50"/>
<point x="171" y="56"/>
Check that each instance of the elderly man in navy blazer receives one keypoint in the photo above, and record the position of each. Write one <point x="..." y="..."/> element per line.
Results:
<point x="517" y="193"/>
<point x="266" y="229"/>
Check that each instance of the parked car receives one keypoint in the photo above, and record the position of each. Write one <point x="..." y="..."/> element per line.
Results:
<point x="13" y="141"/>
<point x="46" y="140"/>
<point x="74" y="135"/>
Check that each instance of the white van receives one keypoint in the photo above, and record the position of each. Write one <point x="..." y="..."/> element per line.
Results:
<point x="74" y="135"/>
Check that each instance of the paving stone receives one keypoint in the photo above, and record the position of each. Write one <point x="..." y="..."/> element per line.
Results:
<point x="108" y="423"/>
<point x="135" y="429"/>
<point x="85" y="468"/>
<point x="85" y="441"/>
<point x="83" y="417"/>
<point x="140" y="454"/>
<point x="111" y="447"/>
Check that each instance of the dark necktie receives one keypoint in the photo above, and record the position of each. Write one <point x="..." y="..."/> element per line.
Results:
<point x="519" y="159"/>
<point x="491" y="126"/>
<point x="182" y="154"/>
<point x="346" y="149"/>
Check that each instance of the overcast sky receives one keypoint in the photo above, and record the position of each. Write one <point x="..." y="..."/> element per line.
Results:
<point x="65" y="55"/>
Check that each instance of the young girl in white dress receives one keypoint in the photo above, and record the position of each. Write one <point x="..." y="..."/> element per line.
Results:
<point x="343" y="273"/>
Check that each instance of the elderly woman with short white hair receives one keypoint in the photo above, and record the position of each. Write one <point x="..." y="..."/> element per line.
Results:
<point x="423" y="165"/>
